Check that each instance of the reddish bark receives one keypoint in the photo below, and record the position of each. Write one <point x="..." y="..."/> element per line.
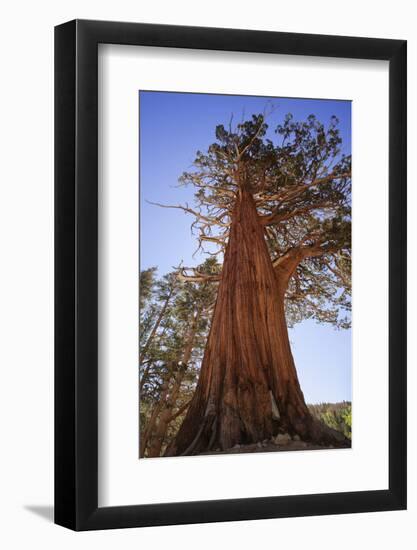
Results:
<point x="248" y="365"/>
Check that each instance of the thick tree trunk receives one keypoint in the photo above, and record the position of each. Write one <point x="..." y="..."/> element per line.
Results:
<point x="248" y="373"/>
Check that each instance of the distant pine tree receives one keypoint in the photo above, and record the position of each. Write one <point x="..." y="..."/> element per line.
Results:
<point x="171" y="361"/>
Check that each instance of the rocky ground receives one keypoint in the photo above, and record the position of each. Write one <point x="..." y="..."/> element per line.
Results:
<point x="282" y="442"/>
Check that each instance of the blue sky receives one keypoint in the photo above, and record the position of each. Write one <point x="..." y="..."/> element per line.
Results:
<point x="173" y="126"/>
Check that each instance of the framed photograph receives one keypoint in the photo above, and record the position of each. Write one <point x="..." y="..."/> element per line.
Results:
<point x="230" y="247"/>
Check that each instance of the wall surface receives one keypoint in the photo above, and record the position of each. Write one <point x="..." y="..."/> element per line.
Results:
<point x="26" y="289"/>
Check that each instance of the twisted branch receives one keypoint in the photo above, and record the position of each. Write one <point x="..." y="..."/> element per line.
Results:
<point x="214" y="221"/>
<point x="197" y="276"/>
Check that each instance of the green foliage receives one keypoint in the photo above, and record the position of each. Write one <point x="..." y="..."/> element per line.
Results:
<point x="146" y="283"/>
<point x="171" y="308"/>
<point x="335" y="415"/>
<point x="301" y="181"/>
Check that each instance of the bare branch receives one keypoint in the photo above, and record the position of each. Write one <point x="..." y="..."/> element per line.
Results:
<point x="214" y="221"/>
<point x="197" y="277"/>
<point x="295" y="193"/>
<point x="218" y="189"/>
<point x="252" y="140"/>
<point x="218" y="240"/>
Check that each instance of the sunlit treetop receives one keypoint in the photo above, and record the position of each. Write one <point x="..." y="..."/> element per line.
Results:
<point x="301" y="185"/>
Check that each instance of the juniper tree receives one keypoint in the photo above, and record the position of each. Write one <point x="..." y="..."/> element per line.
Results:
<point x="279" y="212"/>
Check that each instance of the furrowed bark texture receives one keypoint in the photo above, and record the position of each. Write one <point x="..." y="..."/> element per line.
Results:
<point x="247" y="361"/>
<point x="248" y="366"/>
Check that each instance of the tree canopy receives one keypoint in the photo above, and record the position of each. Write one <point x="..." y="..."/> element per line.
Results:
<point x="277" y="214"/>
<point x="301" y="184"/>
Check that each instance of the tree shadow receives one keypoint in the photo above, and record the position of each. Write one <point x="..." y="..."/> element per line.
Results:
<point x="45" y="512"/>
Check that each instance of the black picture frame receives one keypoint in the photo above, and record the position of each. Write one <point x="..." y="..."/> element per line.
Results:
<point x="76" y="272"/>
